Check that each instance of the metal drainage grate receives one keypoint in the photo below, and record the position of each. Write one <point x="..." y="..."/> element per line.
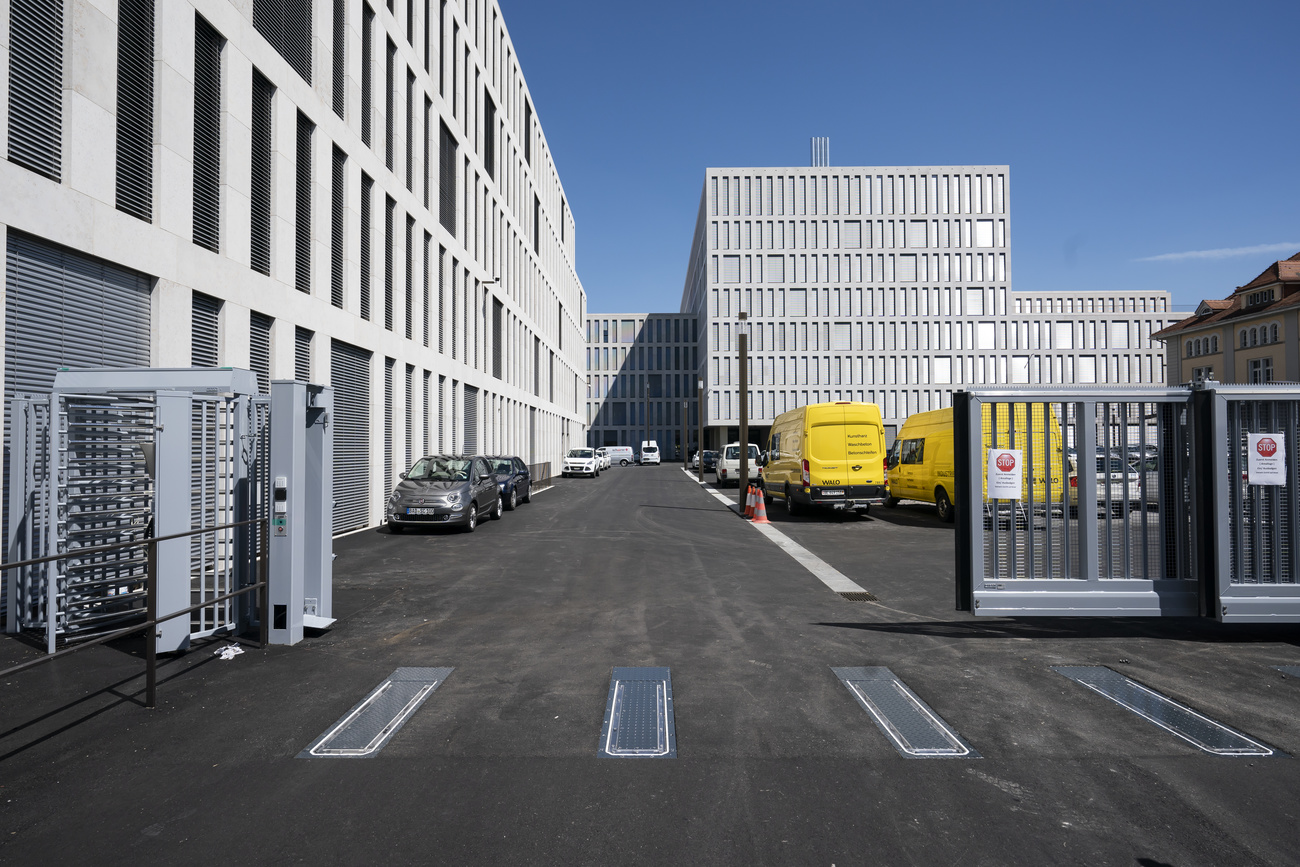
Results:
<point x="915" y="730"/>
<point x="371" y="724"/>
<point x="1292" y="670"/>
<point x="639" y="715"/>
<point x="1193" y="727"/>
<point x="864" y="596"/>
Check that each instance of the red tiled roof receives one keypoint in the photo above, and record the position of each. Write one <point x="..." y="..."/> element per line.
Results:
<point x="1284" y="271"/>
<point x="1215" y="311"/>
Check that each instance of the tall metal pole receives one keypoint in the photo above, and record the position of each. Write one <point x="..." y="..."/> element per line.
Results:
<point x="686" y="439"/>
<point x="699" y="403"/>
<point x="742" y="481"/>
<point x="151" y="615"/>
<point x="647" y="411"/>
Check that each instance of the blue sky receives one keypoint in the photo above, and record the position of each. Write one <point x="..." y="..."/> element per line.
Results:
<point x="1152" y="145"/>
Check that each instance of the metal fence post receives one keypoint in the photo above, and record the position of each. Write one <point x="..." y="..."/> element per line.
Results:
<point x="151" y="633"/>
<point x="967" y="497"/>
<point x="264" y="594"/>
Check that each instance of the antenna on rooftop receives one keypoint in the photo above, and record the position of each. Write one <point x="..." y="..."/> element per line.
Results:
<point x="821" y="152"/>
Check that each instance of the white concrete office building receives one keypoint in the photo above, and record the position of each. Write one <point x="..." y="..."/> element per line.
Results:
<point x="890" y="285"/>
<point x="344" y="192"/>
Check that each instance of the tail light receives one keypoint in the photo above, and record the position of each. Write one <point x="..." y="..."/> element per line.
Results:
<point x="807" y="479"/>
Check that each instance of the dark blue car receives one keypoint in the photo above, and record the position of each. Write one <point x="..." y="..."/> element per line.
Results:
<point x="513" y="479"/>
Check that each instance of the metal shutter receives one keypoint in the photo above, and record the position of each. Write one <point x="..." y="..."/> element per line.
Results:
<point x="302" y="353"/>
<point x="428" y="422"/>
<point x="260" y="241"/>
<point x="203" y="330"/>
<point x="428" y="243"/>
<point x="259" y="349"/>
<point x="135" y="108"/>
<point x="286" y="24"/>
<point x="497" y="310"/>
<point x="36" y="85"/>
<point x="302" y="207"/>
<point x="442" y="296"/>
<point x="350" y="378"/>
<point x="442" y="414"/>
<point x="367" y="191"/>
<point x="410" y="128"/>
<point x="410" y="414"/>
<point x="207" y="135"/>
<point x="426" y="168"/>
<point x="471" y="421"/>
<point x="537" y="224"/>
<point x="338" y="229"/>
<point x="388" y="421"/>
<point x="367" y="75"/>
<point x="490" y="135"/>
<point x="388" y="105"/>
<point x="389" y="207"/>
<point x="528" y="133"/>
<point x="446" y="179"/>
<point x="410" y="276"/>
<point x="337" y="55"/>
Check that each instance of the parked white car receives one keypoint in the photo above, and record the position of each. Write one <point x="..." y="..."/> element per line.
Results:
<point x="603" y="454"/>
<point x="581" y="462"/>
<point x="1117" y="484"/>
<point x="727" y="468"/>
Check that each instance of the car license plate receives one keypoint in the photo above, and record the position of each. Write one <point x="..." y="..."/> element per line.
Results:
<point x="832" y="493"/>
<point x="419" y="511"/>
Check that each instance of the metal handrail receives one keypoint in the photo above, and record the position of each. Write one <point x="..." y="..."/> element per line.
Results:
<point x="151" y="601"/>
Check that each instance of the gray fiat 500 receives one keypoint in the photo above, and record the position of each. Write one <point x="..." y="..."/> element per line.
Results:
<point x="451" y="490"/>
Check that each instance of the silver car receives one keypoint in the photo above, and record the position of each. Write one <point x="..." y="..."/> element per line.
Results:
<point x="454" y="490"/>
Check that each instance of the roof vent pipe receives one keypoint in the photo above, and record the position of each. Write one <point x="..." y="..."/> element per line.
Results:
<point x="821" y="152"/>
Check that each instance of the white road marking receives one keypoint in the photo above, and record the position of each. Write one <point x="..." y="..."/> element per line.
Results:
<point x="823" y="571"/>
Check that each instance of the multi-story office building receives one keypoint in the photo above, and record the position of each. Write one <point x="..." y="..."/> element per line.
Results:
<point x="641" y="380"/>
<point x="1252" y="336"/>
<point x="351" y="193"/>
<point x="890" y="285"/>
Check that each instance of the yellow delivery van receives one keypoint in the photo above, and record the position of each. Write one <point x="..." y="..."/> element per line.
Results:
<point x="921" y="459"/>
<point x="826" y="454"/>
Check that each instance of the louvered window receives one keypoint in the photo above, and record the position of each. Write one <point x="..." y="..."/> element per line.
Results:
<point x="389" y="207"/>
<point x="302" y="207"/>
<point x="388" y="421"/>
<point x="470" y="441"/>
<point x="442" y="296"/>
<point x="497" y="312"/>
<point x="410" y="22"/>
<point x="425" y="168"/>
<point x="302" y="338"/>
<point x="410" y="276"/>
<point x="135" y="108"/>
<point x="490" y="135"/>
<point x="442" y="48"/>
<point x="259" y="349"/>
<point x="428" y="10"/>
<point x="338" y="56"/>
<point x="367" y="73"/>
<point x="388" y="106"/>
<point x="367" y="193"/>
<point x="206" y="312"/>
<point x="447" y="179"/>
<point x="410" y="130"/>
<point x="410" y="415"/>
<point x="207" y="135"/>
<point x="286" y="24"/>
<point x="428" y="242"/>
<point x="260" y="226"/>
<point x="36" y="85"/>
<point x="537" y="225"/>
<point x="442" y="415"/>
<point x="528" y="133"/>
<point x="350" y="378"/>
<point x="338" y="228"/>
<point x="428" y="422"/>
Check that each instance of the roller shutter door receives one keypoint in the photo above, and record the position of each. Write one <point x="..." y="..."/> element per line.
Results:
<point x="471" y="421"/>
<point x="350" y="377"/>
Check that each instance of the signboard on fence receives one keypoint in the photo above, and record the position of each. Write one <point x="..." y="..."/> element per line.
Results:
<point x="1266" y="459"/>
<point x="1005" y="474"/>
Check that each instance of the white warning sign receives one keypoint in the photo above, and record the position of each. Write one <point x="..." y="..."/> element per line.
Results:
<point x="1005" y="474"/>
<point x="1266" y="459"/>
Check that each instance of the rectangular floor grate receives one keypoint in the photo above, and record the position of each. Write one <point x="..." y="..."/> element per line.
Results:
<point x="1193" y="727"/>
<point x="915" y="730"/>
<point x="639" y="715"/>
<point x="372" y="722"/>
<point x="1291" y="670"/>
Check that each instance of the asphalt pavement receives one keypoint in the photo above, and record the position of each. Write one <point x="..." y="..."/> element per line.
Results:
<point x="776" y="761"/>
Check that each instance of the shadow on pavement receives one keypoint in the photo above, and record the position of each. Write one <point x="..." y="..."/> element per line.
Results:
<point x="1172" y="629"/>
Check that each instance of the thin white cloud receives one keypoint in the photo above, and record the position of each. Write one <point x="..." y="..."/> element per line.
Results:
<point x="1224" y="252"/>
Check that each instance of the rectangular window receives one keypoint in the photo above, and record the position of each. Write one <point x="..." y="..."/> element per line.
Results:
<point x="425" y="168"/>
<point x="489" y="135"/>
<point x="204" y="323"/>
<point x="135" y="108"/>
<point x="302" y="207"/>
<point x="36" y="85"/>
<point x="286" y="24"/>
<point x="410" y="130"/>
<point x="367" y="74"/>
<point x="302" y="339"/>
<point x="537" y="224"/>
<point x="410" y="276"/>
<point x="498" y="311"/>
<point x="906" y="268"/>
<point x="338" y="228"/>
<point x="339" y="67"/>
<point x="428" y="242"/>
<point x="208" y="44"/>
<point x="367" y="193"/>
<point x="796" y="303"/>
<point x="442" y="296"/>
<point x="260" y="190"/>
<point x="447" y="179"/>
<point x="983" y="233"/>
<point x="528" y="133"/>
<point x="389" y="207"/>
<point x="1261" y="371"/>
<point x="388" y="104"/>
<point x="259" y="349"/>
<point x="916" y="233"/>
<point x="388" y="420"/>
<point x="442" y="50"/>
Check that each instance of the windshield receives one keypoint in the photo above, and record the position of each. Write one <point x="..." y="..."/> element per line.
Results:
<point x="505" y="465"/>
<point x="733" y="452"/>
<point x="649" y="449"/>
<point x="440" y="470"/>
<point x="1116" y="465"/>
<point x="581" y="453"/>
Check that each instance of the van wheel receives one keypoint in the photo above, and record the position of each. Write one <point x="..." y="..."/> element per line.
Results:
<point x="791" y="507"/>
<point x="891" y="501"/>
<point x="946" y="511"/>
<point x="623" y="462"/>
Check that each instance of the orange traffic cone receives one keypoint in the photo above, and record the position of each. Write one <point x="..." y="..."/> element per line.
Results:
<point x="749" y="502"/>
<point x="760" y="510"/>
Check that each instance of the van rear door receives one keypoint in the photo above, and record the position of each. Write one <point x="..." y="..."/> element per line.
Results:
<point x="864" y="446"/>
<point x="825" y="449"/>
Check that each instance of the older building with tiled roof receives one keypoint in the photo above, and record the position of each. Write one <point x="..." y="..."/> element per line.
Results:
<point x="1252" y="336"/>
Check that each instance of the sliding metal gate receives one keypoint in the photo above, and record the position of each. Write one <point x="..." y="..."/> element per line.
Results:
<point x="1133" y="502"/>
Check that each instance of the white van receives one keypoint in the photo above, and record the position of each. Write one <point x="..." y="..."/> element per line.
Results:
<point x="649" y="452"/>
<point x="621" y="455"/>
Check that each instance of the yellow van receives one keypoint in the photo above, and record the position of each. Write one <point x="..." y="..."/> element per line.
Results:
<point x="921" y="460"/>
<point x="826" y="454"/>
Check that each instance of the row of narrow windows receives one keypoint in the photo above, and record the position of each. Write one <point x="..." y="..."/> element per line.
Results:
<point x="1260" y="335"/>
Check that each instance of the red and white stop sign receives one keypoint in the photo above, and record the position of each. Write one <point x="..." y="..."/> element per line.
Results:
<point x="1267" y="447"/>
<point x="1006" y="462"/>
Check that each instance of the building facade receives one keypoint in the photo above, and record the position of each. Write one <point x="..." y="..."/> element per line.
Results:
<point x="349" y="193"/>
<point x="641" y="380"/>
<point x="890" y="285"/>
<point x="1250" y="337"/>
